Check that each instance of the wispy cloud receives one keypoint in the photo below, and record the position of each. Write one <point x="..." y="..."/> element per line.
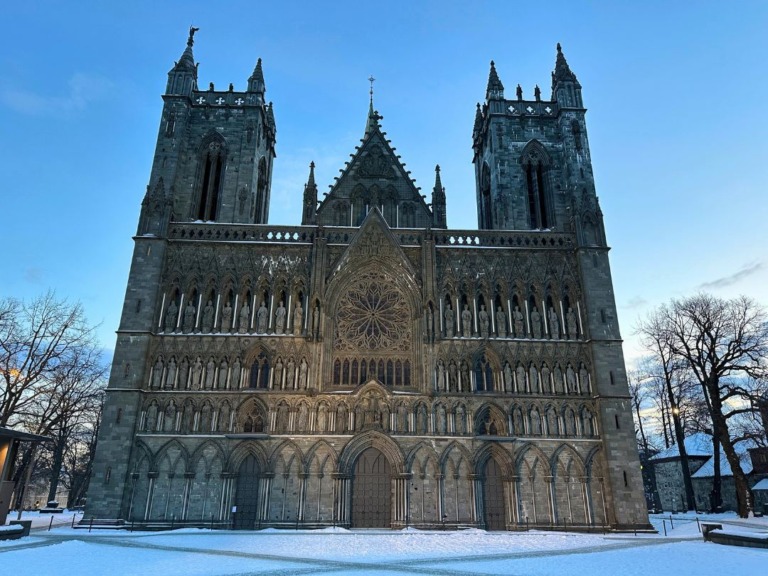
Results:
<point x="746" y="270"/>
<point x="635" y="302"/>
<point x="33" y="275"/>
<point x="82" y="89"/>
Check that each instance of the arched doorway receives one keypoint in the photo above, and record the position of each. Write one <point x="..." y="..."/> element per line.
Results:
<point x="246" y="498"/>
<point x="493" y="497"/>
<point x="371" y="491"/>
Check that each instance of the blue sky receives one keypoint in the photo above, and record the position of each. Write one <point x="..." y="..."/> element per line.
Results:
<point x="674" y="91"/>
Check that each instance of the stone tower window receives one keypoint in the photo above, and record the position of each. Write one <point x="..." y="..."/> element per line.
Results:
<point x="535" y="162"/>
<point x="486" y="218"/>
<point x="210" y="185"/>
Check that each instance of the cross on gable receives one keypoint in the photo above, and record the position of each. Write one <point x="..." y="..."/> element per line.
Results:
<point x="201" y="100"/>
<point x="239" y="101"/>
<point x="220" y="100"/>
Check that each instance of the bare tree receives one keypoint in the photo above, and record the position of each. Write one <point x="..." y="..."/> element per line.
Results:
<point x="51" y="373"/>
<point x="36" y="340"/>
<point x="725" y="345"/>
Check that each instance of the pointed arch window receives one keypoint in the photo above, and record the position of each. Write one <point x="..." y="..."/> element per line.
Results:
<point x="486" y="216"/>
<point x="535" y="163"/>
<point x="212" y="162"/>
<point x="260" y="208"/>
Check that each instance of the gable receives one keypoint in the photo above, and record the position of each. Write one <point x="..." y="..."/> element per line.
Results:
<point x="374" y="178"/>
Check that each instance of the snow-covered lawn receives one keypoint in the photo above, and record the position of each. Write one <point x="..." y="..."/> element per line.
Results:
<point x="192" y="552"/>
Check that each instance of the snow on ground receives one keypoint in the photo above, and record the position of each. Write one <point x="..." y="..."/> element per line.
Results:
<point x="339" y="552"/>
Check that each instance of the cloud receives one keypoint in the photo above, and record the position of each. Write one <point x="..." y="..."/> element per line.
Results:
<point x="635" y="302"/>
<point x="82" y="89"/>
<point x="33" y="275"/>
<point x="746" y="270"/>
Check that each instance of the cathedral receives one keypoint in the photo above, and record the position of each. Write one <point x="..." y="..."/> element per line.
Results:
<point x="369" y="367"/>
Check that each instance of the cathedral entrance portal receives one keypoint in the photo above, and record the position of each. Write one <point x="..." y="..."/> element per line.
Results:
<point x="246" y="498"/>
<point x="493" y="497"/>
<point x="371" y="491"/>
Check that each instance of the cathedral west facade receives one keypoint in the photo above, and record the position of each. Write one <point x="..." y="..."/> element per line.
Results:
<point x="370" y="367"/>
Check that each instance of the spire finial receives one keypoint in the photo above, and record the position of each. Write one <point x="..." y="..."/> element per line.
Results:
<point x="559" y="48"/>
<point x="495" y="88"/>
<point x="191" y="39"/>
<point x="371" y="79"/>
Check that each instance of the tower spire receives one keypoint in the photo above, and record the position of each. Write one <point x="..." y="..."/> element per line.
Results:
<point x="566" y="89"/>
<point x="182" y="78"/>
<point x="310" y="198"/>
<point x="495" y="89"/>
<point x="438" y="201"/>
<point x="256" y="83"/>
<point x="373" y="116"/>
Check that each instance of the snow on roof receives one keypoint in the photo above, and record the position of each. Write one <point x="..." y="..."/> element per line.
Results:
<point x="708" y="469"/>
<point x="762" y="485"/>
<point x="699" y="444"/>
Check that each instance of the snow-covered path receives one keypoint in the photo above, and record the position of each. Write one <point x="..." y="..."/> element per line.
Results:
<point x="337" y="552"/>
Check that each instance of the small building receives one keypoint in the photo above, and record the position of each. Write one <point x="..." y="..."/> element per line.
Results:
<point x="10" y="441"/>
<point x="668" y="471"/>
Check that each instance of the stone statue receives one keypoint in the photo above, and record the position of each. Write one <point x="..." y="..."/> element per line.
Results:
<point x="316" y="320"/>
<point x="521" y="379"/>
<point x="197" y="374"/>
<point x="430" y="325"/>
<point x="441" y="419"/>
<point x="226" y="318"/>
<point x="466" y="380"/>
<point x="210" y="373"/>
<point x="501" y="322"/>
<point x="484" y="321"/>
<point x="223" y="369"/>
<point x="278" y="378"/>
<point x="584" y="380"/>
<point x="570" y="377"/>
<point x="303" y="417"/>
<point x="298" y="319"/>
<point x="184" y="373"/>
<point x="280" y="319"/>
<point x="536" y="323"/>
<point x="441" y="377"/>
<point x="570" y="321"/>
<point x="537" y="92"/>
<point x="508" y="383"/>
<point x="290" y="378"/>
<point x="342" y="423"/>
<point x="189" y="317"/>
<point x="282" y="417"/>
<point x="460" y="421"/>
<point x="519" y="323"/>
<point x="453" y="377"/>
<point x="303" y="368"/>
<point x="533" y="379"/>
<point x="244" y="322"/>
<point x="322" y="417"/>
<point x="235" y="382"/>
<point x="519" y="92"/>
<point x="170" y="317"/>
<point x="170" y="377"/>
<point x="262" y="316"/>
<point x="448" y="315"/>
<point x="554" y="324"/>
<point x="466" y="322"/>
<point x="207" y="324"/>
<point x="157" y="373"/>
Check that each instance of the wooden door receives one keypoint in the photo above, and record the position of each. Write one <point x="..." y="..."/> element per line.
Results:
<point x="493" y="497"/>
<point x="246" y="495"/>
<point x="371" y="491"/>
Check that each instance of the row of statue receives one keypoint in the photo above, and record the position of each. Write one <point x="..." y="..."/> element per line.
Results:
<point x="456" y="376"/>
<point x="536" y="327"/>
<point x="169" y="375"/>
<point x="367" y="414"/>
<point x="245" y="323"/>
